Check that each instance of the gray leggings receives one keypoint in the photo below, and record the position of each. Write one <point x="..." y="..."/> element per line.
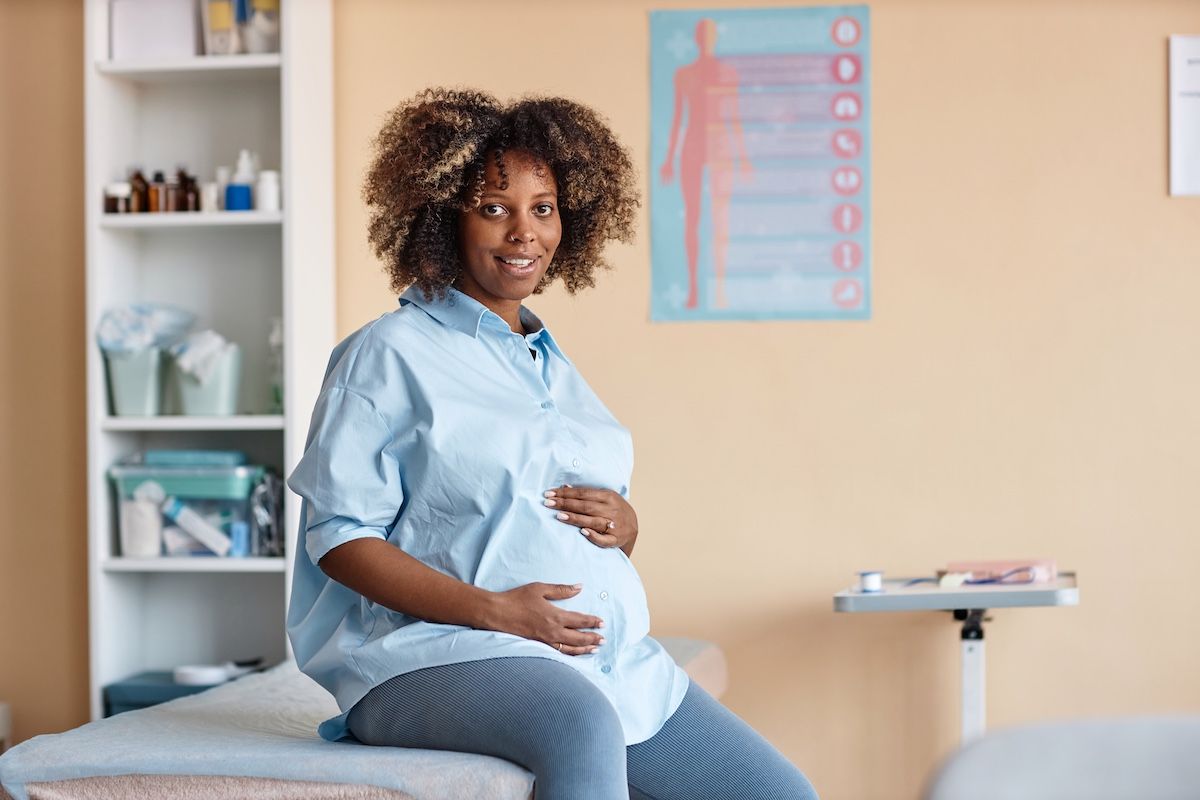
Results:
<point x="555" y="723"/>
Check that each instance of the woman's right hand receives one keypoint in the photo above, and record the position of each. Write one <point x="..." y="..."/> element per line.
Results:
<point x="527" y="611"/>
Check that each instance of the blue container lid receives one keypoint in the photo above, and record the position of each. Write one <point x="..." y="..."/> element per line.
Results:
<point x="147" y="689"/>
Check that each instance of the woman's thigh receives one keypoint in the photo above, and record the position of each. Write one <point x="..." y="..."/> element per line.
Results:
<point x="535" y="712"/>
<point x="705" y="752"/>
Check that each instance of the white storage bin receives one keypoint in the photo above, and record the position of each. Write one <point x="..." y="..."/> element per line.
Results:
<point x="141" y="30"/>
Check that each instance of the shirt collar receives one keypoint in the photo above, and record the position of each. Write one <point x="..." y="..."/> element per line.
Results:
<point x="466" y="314"/>
<point x="455" y="310"/>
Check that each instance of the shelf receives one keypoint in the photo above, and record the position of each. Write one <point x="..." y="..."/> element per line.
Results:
<point x="244" y="422"/>
<point x="190" y="219"/>
<point x="234" y="271"/>
<point x="197" y="68"/>
<point x="194" y="564"/>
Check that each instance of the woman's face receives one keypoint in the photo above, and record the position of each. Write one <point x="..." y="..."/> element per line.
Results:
<point x="507" y="243"/>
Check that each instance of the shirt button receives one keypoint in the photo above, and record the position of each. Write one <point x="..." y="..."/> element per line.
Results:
<point x="604" y="595"/>
<point x="547" y="405"/>
<point x="606" y="669"/>
<point x="575" y="463"/>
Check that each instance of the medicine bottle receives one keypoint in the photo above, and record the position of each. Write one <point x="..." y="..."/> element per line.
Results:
<point x="116" y="198"/>
<point x="157" y="193"/>
<point x="139" y="201"/>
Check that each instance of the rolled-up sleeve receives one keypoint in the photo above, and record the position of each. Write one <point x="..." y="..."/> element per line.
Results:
<point x="349" y="474"/>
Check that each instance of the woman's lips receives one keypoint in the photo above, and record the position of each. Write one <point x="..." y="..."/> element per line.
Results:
<point x="516" y="270"/>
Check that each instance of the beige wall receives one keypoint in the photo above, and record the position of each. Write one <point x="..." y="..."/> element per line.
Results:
<point x="43" y="557"/>
<point x="1027" y="385"/>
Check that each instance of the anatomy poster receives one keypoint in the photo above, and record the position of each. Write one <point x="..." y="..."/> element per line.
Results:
<point x="761" y="184"/>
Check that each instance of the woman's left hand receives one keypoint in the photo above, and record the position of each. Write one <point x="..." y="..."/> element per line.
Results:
<point x="602" y="515"/>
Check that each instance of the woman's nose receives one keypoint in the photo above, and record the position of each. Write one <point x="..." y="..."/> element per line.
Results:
<point x="521" y="233"/>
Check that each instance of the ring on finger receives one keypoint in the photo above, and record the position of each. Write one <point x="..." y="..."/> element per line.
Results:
<point x="611" y="525"/>
<point x="560" y="647"/>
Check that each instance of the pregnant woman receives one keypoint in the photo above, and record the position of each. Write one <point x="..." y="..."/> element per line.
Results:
<point x="462" y="578"/>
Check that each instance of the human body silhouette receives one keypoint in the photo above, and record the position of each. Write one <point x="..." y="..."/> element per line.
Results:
<point x="699" y="86"/>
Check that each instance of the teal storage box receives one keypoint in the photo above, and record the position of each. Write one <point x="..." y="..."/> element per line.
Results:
<point x="207" y="483"/>
<point x="218" y="494"/>
<point x="144" y="690"/>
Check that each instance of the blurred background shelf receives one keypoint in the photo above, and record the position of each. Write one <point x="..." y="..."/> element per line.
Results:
<point x="194" y="219"/>
<point x="195" y="564"/>
<point x="236" y="272"/>
<point x="244" y="422"/>
<point x="199" y="68"/>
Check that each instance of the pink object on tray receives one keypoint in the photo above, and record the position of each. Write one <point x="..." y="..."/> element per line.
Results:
<point x="1033" y="570"/>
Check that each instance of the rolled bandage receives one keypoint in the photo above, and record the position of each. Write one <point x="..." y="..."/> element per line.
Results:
<point x="200" y="675"/>
<point x="870" y="581"/>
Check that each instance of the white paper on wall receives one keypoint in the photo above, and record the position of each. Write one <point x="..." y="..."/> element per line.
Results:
<point x="1185" y="115"/>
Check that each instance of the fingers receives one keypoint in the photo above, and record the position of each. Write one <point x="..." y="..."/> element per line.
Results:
<point x="578" y="493"/>
<point x="578" y="642"/>
<point x="582" y="511"/>
<point x="592" y="507"/>
<point x="560" y="591"/>
<point x="600" y="539"/>
<point x="568" y="650"/>
<point x="574" y="619"/>
<point x="584" y="522"/>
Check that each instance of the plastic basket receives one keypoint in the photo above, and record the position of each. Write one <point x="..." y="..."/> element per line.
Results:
<point x="206" y="483"/>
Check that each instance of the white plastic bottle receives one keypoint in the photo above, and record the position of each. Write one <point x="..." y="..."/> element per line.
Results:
<point x="197" y="526"/>
<point x="266" y="191"/>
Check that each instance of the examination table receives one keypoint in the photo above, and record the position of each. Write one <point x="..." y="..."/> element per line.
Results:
<point x="256" y="737"/>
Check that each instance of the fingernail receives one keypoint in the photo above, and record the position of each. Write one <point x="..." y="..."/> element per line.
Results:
<point x="601" y="624"/>
<point x="548" y="503"/>
<point x="601" y="640"/>
<point x="561" y="515"/>
<point x="566" y="486"/>
<point x="593" y="649"/>
<point x="577" y="586"/>
<point x="584" y="531"/>
<point x="548" y="494"/>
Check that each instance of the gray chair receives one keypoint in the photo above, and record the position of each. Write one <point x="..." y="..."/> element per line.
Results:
<point x="1138" y="758"/>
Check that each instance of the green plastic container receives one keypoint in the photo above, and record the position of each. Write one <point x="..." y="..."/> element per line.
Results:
<point x="202" y="483"/>
<point x="134" y="382"/>
<point x="218" y="395"/>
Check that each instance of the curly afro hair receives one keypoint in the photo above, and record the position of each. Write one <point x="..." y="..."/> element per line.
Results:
<point x="429" y="165"/>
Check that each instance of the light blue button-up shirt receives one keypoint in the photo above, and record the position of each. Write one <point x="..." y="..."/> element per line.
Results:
<point x="438" y="430"/>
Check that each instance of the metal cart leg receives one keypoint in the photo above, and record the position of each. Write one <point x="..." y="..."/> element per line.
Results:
<point x="974" y="710"/>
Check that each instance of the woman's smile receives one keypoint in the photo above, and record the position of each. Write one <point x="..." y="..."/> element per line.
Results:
<point x="519" y="266"/>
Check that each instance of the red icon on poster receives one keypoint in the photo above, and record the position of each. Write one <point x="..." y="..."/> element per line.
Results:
<point x="845" y="31"/>
<point x="847" y="218"/>
<point x="847" y="143"/>
<point x="847" y="293"/>
<point x="845" y="105"/>
<point x="847" y="256"/>
<point x="846" y="180"/>
<point x="847" y="68"/>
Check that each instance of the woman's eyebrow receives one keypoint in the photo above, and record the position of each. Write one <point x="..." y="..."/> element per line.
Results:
<point x="501" y="197"/>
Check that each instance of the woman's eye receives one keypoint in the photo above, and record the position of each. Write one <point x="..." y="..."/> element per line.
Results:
<point x="493" y="210"/>
<point x="543" y="209"/>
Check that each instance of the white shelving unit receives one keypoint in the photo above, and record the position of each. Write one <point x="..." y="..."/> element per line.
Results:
<point x="235" y="271"/>
<point x="215" y="219"/>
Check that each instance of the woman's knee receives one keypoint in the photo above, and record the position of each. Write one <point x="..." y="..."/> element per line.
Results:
<point x="581" y="717"/>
